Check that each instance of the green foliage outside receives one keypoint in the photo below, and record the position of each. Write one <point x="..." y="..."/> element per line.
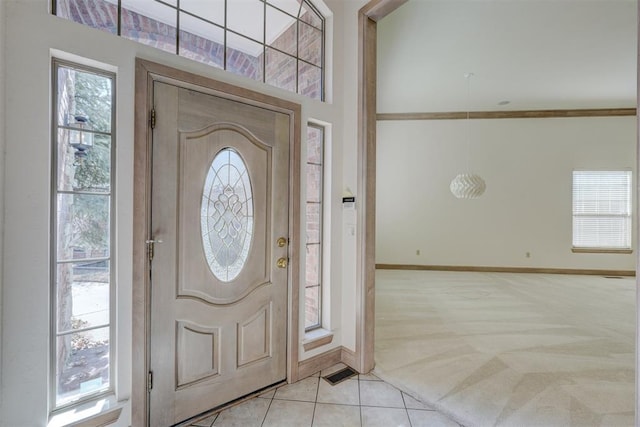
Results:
<point x="93" y="173"/>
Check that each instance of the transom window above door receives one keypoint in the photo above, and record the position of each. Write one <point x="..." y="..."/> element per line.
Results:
<point x="278" y="42"/>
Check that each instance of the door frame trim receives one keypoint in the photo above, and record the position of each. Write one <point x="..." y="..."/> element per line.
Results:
<point x="368" y="17"/>
<point x="147" y="73"/>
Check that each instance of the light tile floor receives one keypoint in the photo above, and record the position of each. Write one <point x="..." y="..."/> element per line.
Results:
<point x="363" y="400"/>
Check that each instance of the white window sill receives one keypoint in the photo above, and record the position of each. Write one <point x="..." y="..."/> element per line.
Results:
<point x="100" y="412"/>
<point x="316" y="338"/>
<point x="577" y="250"/>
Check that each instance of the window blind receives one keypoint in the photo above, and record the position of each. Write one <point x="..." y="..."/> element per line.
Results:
<point x="602" y="209"/>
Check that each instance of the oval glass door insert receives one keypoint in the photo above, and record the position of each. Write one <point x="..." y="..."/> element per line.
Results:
<point x="227" y="215"/>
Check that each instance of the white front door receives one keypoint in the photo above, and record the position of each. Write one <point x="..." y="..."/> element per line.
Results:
<point x="220" y="203"/>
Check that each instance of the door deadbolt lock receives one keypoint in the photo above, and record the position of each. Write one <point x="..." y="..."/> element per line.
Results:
<point x="282" y="263"/>
<point x="281" y="242"/>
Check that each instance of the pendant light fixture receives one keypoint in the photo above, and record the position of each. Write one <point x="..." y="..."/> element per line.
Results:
<point x="468" y="185"/>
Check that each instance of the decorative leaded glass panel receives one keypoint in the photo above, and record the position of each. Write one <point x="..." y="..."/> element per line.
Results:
<point x="227" y="215"/>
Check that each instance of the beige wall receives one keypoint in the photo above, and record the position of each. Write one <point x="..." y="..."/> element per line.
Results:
<point x="527" y="165"/>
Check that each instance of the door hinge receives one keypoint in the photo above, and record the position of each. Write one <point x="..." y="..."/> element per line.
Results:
<point x="151" y="244"/>
<point x="152" y="118"/>
<point x="150" y="380"/>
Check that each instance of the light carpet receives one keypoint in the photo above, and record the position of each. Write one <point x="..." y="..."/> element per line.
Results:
<point x="502" y="349"/>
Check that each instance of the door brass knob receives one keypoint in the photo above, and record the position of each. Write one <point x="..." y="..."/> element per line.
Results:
<point x="282" y="263"/>
<point x="281" y="242"/>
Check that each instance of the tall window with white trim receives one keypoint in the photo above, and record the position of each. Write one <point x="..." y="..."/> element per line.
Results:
<point x="82" y="269"/>
<point x="602" y="210"/>
<point x="314" y="222"/>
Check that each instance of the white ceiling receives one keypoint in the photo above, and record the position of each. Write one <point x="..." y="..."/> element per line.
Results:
<point x="537" y="54"/>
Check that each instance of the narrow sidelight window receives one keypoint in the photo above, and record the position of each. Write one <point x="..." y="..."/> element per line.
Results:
<point x="82" y="233"/>
<point x="602" y="211"/>
<point x="314" y="216"/>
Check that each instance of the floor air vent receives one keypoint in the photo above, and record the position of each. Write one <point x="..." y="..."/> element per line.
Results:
<point x="341" y="375"/>
<point x="613" y="277"/>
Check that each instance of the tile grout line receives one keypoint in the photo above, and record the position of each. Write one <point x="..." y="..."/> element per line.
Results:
<point x="405" y="407"/>
<point x="268" y="408"/>
<point x="359" y="400"/>
<point x="315" y="403"/>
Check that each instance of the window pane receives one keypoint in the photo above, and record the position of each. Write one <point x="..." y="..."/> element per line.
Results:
<point x="201" y="41"/>
<point x="310" y="44"/>
<point x="314" y="212"/>
<point x="312" y="276"/>
<point x="314" y="183"/>
<point x="83" y="295"/>
<point x="246" y="17"/>
<point x="244" y="57"/>
<point x="83" y="364"/>
<point x="312" y="305"/>
<point x="281" y="70"/>
<point x="84" y="100"/>
<point x="282" y="32"/>
<point x="99" y="14"/>
<point x="83" y="169"/>
<point x="211" y="10"/>
<point x="309" y="81"/>
<point x="310" y="17"/>
<point x="315" y="140"/>
<point x="292" y="7"/>
<point x="83" y="226"/>
<point x="149" y="22"/>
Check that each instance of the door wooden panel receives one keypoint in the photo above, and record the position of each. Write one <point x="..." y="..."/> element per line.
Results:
<point x="254" y="337"/>
<point x="218" y="328"/>
<point x="197" y="355"/>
